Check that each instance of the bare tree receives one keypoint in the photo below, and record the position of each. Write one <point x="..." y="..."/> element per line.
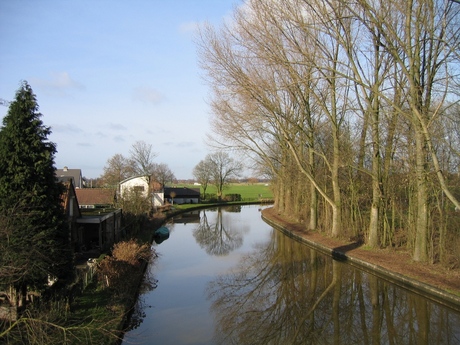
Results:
<point x="141" y="158"/>
<point x="202" y="173"/>
<point x="368" y="66"/>
<point x="116" y="170"/>
<point x="162" y="174"/>
<point x="223" y="168"/>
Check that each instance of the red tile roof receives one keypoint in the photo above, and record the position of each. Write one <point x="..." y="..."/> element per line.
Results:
<point x="95" y="196"/>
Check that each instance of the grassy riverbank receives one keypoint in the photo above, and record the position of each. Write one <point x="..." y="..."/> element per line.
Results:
<point x="99" y="314"/>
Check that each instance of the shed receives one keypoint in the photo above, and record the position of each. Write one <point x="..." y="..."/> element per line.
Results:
<point x="182" y="195"/>
<point x="100" y="231"/>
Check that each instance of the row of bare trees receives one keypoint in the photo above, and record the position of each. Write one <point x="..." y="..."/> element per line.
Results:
<point x="352" y="108"/>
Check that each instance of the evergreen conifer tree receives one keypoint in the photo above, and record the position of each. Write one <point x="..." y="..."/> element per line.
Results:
<point x="34" y="239"/>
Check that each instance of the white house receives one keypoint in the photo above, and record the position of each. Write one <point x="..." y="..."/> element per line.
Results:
<point x="137" y="183"/>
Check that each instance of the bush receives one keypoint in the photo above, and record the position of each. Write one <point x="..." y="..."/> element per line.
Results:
<point x="126" y="260"/>
<point x="232" y="197"/>
<point x="211" y="197"/>
<point x="132" y="252"/>
<point x="135" y="202"/>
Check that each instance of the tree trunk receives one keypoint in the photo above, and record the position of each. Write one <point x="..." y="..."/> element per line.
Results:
<point x="313" y="197"/>
<point x="421" y="223"/>
<point x="337" y="207"/>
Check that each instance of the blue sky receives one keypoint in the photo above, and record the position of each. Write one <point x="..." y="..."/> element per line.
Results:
<point x="109" y="73"/>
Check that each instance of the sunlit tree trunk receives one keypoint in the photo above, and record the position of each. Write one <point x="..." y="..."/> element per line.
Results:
<point x="374" y="222"/>
<point x="313" y="196"/>
<point x="421" y="224"/>
<point x="389" y="149"/>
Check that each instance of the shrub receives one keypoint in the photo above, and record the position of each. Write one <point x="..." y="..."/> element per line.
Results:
<point x="135" y="202"/>
<point x="125" y="260"/>
<point x="132" y="252"/>
<point x="232" y="197"/>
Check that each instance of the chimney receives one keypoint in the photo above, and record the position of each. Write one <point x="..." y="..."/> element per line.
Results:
<point x="65" y="168"/>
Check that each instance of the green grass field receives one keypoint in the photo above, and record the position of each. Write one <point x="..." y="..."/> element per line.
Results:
<point x="248" y="191"/>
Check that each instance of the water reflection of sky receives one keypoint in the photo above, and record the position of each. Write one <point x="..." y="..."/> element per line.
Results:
<point x="265" y="288"/>
<point x="178" y="310"/>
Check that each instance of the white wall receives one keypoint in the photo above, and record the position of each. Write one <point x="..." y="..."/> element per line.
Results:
<point x="158" y="199"/>
<point x="134" y="182"/>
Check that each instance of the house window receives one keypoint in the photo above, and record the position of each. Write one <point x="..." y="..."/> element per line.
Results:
<point x="138" y="188"/>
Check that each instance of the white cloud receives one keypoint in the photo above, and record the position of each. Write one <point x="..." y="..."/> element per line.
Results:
<point x="147" y="94"/>
<point x="66" y="128"/>
<point x="189" y="27"/>
<point x="101" y="134"/>
<point x="117" y="126"/>
<point x="119" y="139"/>
<point x="59" y="81"/>
<point x="185" y="144"/>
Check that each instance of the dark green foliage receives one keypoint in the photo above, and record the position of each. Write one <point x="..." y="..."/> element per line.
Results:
<point x="34" y="238"/>
<point x="232" y="197"/>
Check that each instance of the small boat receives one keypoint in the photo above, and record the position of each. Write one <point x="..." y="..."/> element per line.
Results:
<point x="162" y="232"/>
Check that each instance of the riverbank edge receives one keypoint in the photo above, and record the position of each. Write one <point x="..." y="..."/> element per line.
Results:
<point x="151" y="225"/>
<point x="434" y="293"/>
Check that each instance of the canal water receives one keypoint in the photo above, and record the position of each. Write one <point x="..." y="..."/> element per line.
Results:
<point x="224" y="276"/>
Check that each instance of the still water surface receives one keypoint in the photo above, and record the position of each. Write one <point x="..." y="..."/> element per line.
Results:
<point x="224" y="276"/>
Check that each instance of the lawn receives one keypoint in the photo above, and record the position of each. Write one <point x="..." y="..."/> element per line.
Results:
<point x="248" y="191"/>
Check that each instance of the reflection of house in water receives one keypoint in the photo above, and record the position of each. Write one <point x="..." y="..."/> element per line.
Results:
<point x="188" y="217"/>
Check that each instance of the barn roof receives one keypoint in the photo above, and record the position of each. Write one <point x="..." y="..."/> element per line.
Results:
<point x="96" y="196"/>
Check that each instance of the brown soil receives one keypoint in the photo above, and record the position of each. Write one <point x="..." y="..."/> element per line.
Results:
<point x="398" y="261"/>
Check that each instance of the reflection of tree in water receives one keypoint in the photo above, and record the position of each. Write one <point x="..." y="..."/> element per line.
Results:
<point x="149" y="283"/>
<point x="285" y="293"/>
<point x="217" y="238"/>
<point x="232" y="208"/>
<point x="138" y="315"/>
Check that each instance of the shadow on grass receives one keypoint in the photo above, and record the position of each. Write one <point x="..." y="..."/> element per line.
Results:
<point x="339" y="253"/>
